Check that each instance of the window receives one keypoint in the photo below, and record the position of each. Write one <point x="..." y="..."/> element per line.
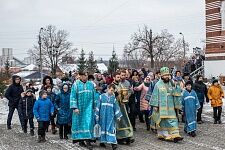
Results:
<point x="223" y="14"/>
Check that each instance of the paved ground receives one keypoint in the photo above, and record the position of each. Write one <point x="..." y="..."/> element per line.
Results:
<point x="209" y="137"/>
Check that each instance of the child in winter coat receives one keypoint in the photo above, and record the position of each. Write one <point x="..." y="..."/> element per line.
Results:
<point x="43" y="109"/>
<point x="52" y="97"/>
<point x="190" y="105"/>
<point x="64" y="114"/>
<point x="26" y="105"/>
<point x="215" y="95"/>
<point x="107" y="112"/>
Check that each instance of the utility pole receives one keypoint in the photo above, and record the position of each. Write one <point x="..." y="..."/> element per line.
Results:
<point x="40" y="57"/>
<point x="183" y="45"/>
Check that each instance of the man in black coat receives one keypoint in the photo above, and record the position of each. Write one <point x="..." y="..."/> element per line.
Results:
<point x="13" y="94"/>
<point x="201" y="90"/>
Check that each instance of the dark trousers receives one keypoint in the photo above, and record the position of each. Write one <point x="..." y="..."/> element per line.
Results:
<point x="199" y="114"/>
<point x="52" y="120"/>
<point x="217" y="113"/>
<point x="131" y="108"/>
<point x="10" y="115"/>
<point x="146" y="114"/>
<point x="42" y="126"/>
<point x="63" y="130"/>
<point x="69" y="129"/>
<point x="139" y="112"/>
<point x="31" y="122"/>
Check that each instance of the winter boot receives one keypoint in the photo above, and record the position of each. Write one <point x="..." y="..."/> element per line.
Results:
<point x="193" y="134"/>
<point x="102" y="145"/>
<point x="53" y="129"/>
<point x="25" y="130"/>
<point x="219" y="122"/>
<point x="9" y="127"/>
<point x="32" y="132"/>
<point x="114" y="146"/>
<point x="215" y="121"/>
<point x="148" y="127"/>
<point x="43" y="139"/>
<point x="177" y="139"/>
<point x="81" y="143"/>
<point x="128" y="141"/>
<point x="89" y="146"/>
<point x="39" y="139"/>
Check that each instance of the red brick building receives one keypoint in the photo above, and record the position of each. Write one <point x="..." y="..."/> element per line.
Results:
<point x="215" y="38"/>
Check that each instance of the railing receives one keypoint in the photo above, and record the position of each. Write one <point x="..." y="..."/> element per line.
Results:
<point x="199" y="71"/>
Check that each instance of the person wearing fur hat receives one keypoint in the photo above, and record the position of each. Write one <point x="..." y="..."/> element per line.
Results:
<point x="215" y="95"/>
<point x="164" y="108"/>
<point x="190" y="105"/>
<point x="26" y="105"/>
<point x="43" y="109"/>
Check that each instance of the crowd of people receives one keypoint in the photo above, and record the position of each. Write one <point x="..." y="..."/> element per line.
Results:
<point x="91" y="107"/>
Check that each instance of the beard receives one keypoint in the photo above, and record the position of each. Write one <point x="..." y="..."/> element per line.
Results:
<point x="165" y="80"/>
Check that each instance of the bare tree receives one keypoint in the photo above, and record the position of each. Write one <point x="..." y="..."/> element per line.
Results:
<point x="161" y="47"/>
<point x="134" y="59"/>
<point x="143" y="40"/>
<point x="54" y="46"/>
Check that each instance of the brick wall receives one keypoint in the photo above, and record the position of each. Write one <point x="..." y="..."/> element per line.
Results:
<point x="215" y="37"/>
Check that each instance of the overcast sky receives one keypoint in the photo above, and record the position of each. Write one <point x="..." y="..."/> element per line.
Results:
<point x="97" y="24"/>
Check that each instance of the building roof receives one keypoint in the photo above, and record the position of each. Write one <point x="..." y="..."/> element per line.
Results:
<point x="35" y="75"/>
<point x="30" y="67"/>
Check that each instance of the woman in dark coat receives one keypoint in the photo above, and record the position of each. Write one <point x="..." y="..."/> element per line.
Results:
<point x="64" y="114"/>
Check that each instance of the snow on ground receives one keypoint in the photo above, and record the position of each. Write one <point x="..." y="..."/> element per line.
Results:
<point x="4" y="109"/>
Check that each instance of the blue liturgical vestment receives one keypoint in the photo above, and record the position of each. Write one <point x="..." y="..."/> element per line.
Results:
<point x="190" y="105"/>
<point x="83" y="98"/>
<point x="108" y="112"/>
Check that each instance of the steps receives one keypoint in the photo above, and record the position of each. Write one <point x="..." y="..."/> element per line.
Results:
<point x="199" y="71"/>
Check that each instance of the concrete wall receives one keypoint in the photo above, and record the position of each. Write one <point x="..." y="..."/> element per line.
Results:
<point x="214" y="68"/>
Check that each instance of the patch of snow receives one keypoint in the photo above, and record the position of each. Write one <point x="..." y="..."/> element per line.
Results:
<point x="68" y="67"/>
<point x="4" y="109"/>
<point x="23" y="74"/>
<point x="30" y="67"/>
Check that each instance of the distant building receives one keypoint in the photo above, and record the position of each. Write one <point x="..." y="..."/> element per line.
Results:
<point x="68" y="60"/>
<point x="215" y="38"/>
<point x="7" y="54"/>
<point x="29" y="60"/>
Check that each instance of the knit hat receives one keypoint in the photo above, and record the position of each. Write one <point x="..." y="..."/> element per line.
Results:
<point x="214" y="81"/>
<point x="164" y="71"/>
<point x="42" y="92"/>
<point x="28" y="90"/>
<point x="188" y="83"/>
